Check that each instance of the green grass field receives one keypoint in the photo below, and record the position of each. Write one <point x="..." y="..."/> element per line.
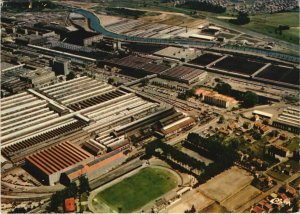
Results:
<point x="136" y="191"/>
<point x="267" y="24"/>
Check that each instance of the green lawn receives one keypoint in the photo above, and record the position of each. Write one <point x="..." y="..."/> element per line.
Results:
<point x="267" y="24"/>
<point x="293" y="144"/>
<point x="136" y="191"/>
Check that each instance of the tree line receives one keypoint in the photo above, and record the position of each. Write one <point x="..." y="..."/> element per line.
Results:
<point x="212" y="148"/>
<point x="248" y="98"/>
<point x="180" y="160"/>
<point x="223" y="156"/>
<point x="203" y="6"/>
<point x="125" y="12"/>
<point x="72" y="190"/>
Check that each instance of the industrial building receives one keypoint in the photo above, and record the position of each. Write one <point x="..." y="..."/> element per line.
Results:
<point x="23" y="110"/>
<point x="21" y="77"/>
<point x="30" y="121"/>
<point x="95" y="168"/>
<point x="137" y="65"/>
<point x="184" y="74"/>
<point x="177" y="126"/>
<point x="48" y="164"/>
<point x="81" y="37"/>
<point x="182" y="54"/>
<point x="10" y="81"/>
<point x="61" y="66"/>
<point x="85" y="112"/>
<point x="202" y="37"/>
<point x="31" y="39"/>
<point x="288" y="120"/>
<point x="39" y="78"/>
<point x="217" y="99"/>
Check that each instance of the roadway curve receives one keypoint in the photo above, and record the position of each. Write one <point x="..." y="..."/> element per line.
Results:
<point x="96" y="25"/>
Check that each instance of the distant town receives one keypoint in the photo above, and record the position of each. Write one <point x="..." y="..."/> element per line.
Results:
<point x="170" y="106"/>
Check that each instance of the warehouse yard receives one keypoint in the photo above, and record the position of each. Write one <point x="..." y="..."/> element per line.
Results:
<point x="136" y="191"/>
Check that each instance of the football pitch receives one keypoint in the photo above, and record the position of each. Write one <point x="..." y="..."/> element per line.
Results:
<point x="134" y="192"/>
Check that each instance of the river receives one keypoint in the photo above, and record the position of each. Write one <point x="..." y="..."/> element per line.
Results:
<point x="96" y="25"/>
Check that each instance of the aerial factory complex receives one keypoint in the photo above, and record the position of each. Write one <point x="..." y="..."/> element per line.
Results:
<point x="156" y="106"/>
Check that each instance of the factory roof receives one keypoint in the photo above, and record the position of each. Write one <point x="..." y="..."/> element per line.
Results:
<point x="183" y="73"/>
<point x="21" y="111"/>
<point x="95" y="164"/>
<point x="262" y="113"/>
<point x="177" y="53"/>
<point x="177" y="125"/>
<point x="204" y="37"/>
<point x="58" y="157"/>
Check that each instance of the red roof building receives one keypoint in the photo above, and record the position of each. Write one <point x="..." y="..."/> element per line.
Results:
<point x="70" y="205"/>
<point x="48" y="164"/>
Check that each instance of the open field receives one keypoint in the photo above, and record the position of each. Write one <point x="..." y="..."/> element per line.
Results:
<point x="242" y="197"/>
<point x="226" y="184"/>
<point x="214" y="208"/>
<point x="267" y="24"/>
<point x="136" y="191"/>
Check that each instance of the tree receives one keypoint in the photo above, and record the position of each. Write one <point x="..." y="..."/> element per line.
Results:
<point x="19" y="210"/>
<point x="221" y="119"/>
<point x="250" y="99"/>
<point x="182" y="96"/>
<point x="246" y="125"/>
<point x="55" y="201"/>
<point x="274" y="133"/>
<point x="193" y="209"/>
<point x="235" y="143"/>
<point x="257" y="135"/>
<point x="203" y="6"/>
<point x="110" y="81"/>
<point x="223" y="88"/>
<point x="72" y="190"/>
<point x="84" y="185"/>
<point x="71" y="75"/>
<point x="145" y="82"/>
<point x="242" y="18"/>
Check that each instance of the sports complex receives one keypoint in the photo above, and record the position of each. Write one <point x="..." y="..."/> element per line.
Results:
<point x="132" y="193"/>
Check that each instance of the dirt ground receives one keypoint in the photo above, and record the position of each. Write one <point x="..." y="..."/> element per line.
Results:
<point x="107" y="20"/>
<point x="175" y="20"/>
<point x="191" y="198"/>
<point x="226" y="184"/>
<point x="239" y="199"/>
